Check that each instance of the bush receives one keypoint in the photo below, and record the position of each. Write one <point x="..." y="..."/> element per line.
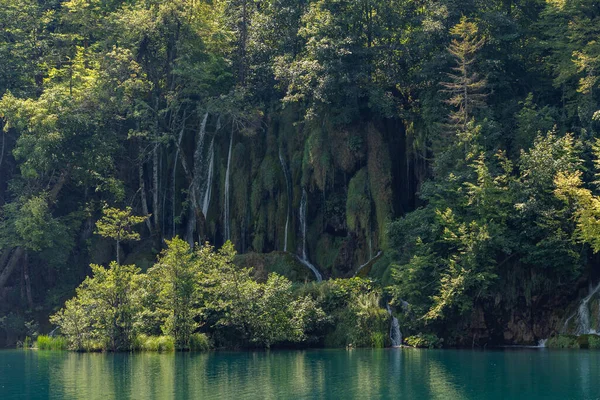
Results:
<point x="154" y="343"/>
<point x="199" y="342"/>
<point x="563" y="342"/>
<point x="424" y="340"/>
<point x="594" y="342"/>
<point x="44" y="342"/>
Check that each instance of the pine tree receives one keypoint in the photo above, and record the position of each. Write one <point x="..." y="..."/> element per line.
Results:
<point x="465" y="86"/>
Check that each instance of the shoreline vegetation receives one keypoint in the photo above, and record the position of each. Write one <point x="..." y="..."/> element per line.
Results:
<point x="195" y="299"/>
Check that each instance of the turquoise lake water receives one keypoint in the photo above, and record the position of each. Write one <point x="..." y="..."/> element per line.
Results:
<point x="311" y="374"/>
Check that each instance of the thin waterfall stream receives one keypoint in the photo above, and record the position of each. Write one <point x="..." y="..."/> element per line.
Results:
<point x="289" y="198"/>
<point x="304" y="259"/>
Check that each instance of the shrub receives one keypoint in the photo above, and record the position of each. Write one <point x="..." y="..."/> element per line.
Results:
<point x="154" y="343"/>
<point x="199" y="342"/>
<point x="44" y="342"/>
<point x="424" y="340"/>
<point x="594" y="342"/>
<point x="563" y="342"/>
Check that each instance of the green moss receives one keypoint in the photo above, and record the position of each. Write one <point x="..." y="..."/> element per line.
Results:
<point x="282" y="263"/>
<point x="564" y="342"/>
<point x="379" y="167"/>
<point x="358" y="202"/>
<point x="328" y="248"/>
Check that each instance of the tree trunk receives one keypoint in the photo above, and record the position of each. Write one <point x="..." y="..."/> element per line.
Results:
<point x="27" y="281"/>
<point x="118" y="245"/>
<point x="2" y="148"/>
<point x="4" y="258"/>
<point x="155" y="171"/>
<point x="143" y="195"/>
<point x="10" y="267"/>
<point x="155" y="188"/>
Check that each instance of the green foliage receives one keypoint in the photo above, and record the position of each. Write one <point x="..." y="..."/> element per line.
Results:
<point x="354" y="313"/>
<point x="465" y="86"/>
<point x="424" y="340"/>
<point x="51" y="343"/>
<point x="175" y="276"/>
<point x="153" y="343"/>
<point x="118" y="224"/>
<point x="104" y="310"/>
<point x="381" y="106"/>
<point x="199" y="342"/>
<point x="563" y="342"/>
<point x="593" y="342"/>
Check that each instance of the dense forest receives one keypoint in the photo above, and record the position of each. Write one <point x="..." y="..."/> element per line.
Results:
<point x="437" y="157"/>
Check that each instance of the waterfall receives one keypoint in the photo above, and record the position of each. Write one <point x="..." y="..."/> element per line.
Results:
<point x="582" y="315"/>
<point x="289" y="198"/>
<point x="209" y="178"/>
<point x="174" y="181"/>
<point x="195" y="195"/>
<point x="542" y="343"/>
<point x="304" y="258"/>
<point x="226" y="205"/>
<point x="395" y="334"/>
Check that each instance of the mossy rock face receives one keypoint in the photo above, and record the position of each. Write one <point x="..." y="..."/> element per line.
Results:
<point x="282" y="263"/>
<point x="566" y="342"/>
<point x="142" y="254"/>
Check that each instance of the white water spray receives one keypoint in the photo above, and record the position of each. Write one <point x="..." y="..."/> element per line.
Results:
<point x="289" y="200"/>
<point x="304" y="258"/>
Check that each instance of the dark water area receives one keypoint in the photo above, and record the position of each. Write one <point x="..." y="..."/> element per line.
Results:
<point x="321" y="374"/>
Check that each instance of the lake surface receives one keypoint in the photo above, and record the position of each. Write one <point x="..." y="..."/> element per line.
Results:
<point x="332" y="374"/>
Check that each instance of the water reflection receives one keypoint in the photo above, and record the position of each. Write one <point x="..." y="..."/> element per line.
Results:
<point x="356" y="374"/>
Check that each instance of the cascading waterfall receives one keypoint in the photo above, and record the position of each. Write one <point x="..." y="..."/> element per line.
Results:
<point x="304" y="258"/>
<point x="395" y="334"/>
<point x="174" y="181"/>
<point x="207" y="192"/>
<point x="226" y="205"/>
<point x="209" y="178"/>
<point x="194" y="190"/>
<point x="582" y="315"/>
<point x="289" y="198"/>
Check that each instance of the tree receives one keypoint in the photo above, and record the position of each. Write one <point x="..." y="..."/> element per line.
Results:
<point x="104" y="311"/>
<point x="465" y="87"/>
<point x="118" y="225"/>
<point x="176" y="274"/>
